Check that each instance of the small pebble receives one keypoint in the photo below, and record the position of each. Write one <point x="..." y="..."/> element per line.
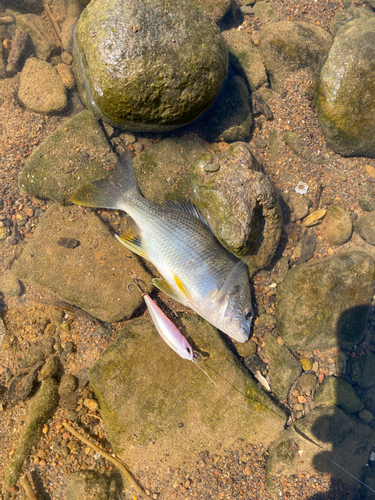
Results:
<point x="91" y="404"/>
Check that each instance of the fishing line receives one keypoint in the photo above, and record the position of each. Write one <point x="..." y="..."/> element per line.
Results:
<point x="273" y="423"/>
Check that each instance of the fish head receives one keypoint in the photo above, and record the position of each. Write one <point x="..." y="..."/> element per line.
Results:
<point x="237" y="313"/>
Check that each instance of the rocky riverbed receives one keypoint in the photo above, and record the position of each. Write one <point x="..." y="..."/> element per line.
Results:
<point x="68" y="323"/>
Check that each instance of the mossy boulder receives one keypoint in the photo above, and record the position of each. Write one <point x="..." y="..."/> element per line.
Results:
<point x="149" y="66"/>
<point x="288" y="46"/>
<point x="335" y="391"/>
<point x="239" y="202"/>
<point x="337" y="226"/>
<point x="75" y="154"/>
<point x="216" y="9"/>
<point x="344" y="16"/>
<point x="325" y="303"/>
<point x="158" y="409"/>
<point x="345" y="90"/>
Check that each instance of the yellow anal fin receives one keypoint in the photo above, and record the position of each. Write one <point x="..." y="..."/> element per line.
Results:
<point x="166" y="288"/>
<point x="185" y="292"/>
<point x="132" y="240"/>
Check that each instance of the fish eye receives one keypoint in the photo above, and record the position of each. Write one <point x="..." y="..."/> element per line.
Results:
<point x="248" y="313"/>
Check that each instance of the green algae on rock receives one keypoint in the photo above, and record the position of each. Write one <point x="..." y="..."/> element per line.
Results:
<point x="42" y="408"/>
<point x="149" y="66"/>
<point x="345" y="90"/>
<point x="239" y="203"/>
<point x="325" y="303"/>
<point x="335" y="391"/>
<point x="287" y="46"/>
<point x="158" y="409"/>
<point x="75" y="154"/>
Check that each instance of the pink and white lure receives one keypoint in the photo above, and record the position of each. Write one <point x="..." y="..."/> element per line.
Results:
<point x="165" y="328"/>
<point x="168" y="331"/>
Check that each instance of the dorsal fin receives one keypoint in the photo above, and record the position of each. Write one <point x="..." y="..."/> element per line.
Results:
<point x="188" y="207"/>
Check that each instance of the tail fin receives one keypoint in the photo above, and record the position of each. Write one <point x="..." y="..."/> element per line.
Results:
<point x="109" y="192"/>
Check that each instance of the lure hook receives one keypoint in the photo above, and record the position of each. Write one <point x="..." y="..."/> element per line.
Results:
<point x="136" y="284"/>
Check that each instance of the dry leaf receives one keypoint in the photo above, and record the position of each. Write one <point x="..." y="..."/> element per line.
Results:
<point x="314" y="218"/>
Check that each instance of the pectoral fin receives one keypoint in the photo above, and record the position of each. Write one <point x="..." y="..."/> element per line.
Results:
<point x="166" y="288"/>
<point x="132" y="240"/>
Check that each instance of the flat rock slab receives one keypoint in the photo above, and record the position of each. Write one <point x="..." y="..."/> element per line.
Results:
<point x="338" y="437"/>
<point x="158" y="409"/>
<point x="77" y="153"/>
<point x="93" y="275"/>
<point x="325" y="303"/>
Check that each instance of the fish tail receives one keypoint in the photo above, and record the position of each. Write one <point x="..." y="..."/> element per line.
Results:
<point x="112" y="191"/>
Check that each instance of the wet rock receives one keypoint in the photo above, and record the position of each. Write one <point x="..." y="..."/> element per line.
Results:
<point x="368" y="476"/>
<point x="163" y="170"/>
<point x="68" y="384"/>
<point x="288" y="46"/>
<point x="246" y="349"/>
<point x="161" y="89"/>
<point x="367" y="365"/>
<point x="91" y="404"/>
<point x="18" y="52"/>
<point x="67" y="33"/>
<point x="337" y="226"/>
<point x="20" y="387"/>
<point x="9" y="284"/>
<point x="66" y="75"/>
<point x="254" y="364"/>
<point x="40" y="32"/>
<point x="308" y="244"/>
<point x="69" y="401"/>
<point x="324" y="304"/>
<point x="284" y="368"/>
<point x="104" y="263"/>
<point x="34" y="357"/>
<point x="344" y="94"/>
<point x="299" y="205"/>
<point x="172" y="389"/>
<point x="335" y="391"/>
<point x="293" y="140"/>
<point x="51" y="368"/>
<point x="89" y="485"/>
<point x="265" y="12"/>
<point x="346" y="441"/>
<point x="245" y="58"/>
<point x="346" y="15"/>
<point x="260" y="106"/>
<point x="75" y="154"/>
<point x="229" y="119"/>
<point x="367" y="200"/>
<point x="307" y="383"/>
<point x="229" y="184"/>
<point x="41" y="88"/>
<point x="42" y="408"/>
<point x="306" y="363"/>
<point x="365" y="227"/>
<point x="366" y="416"/>
<point x="216" y="9"/>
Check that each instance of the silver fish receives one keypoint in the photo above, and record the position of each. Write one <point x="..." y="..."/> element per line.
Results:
<point x="196" y="269"/>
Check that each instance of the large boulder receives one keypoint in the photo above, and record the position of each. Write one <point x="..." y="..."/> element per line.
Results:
<point x="149" y="66"/>
<point x="288" y="46"/>
<point x="239" y="202"/>
<point x="92" y="273"/>
<point x="345" y="91"/>
<point x="158" y="409"/>
<point x="325" y="303"/>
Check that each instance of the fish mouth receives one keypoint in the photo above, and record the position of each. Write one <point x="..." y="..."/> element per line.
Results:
<point x="241" y="335"/>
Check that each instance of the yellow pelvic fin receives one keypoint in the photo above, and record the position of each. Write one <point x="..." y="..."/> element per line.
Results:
<point x="132" y="240"/>
<point x="185" y="292"/>
<point x="166" y="288"/>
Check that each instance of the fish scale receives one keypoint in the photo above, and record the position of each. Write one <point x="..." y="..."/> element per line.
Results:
<point x="196" y="269"/>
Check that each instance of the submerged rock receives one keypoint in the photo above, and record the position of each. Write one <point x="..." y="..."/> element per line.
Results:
<point x="346" y="15"/>
<point x="93" y="276"/>
<point x="75" y="154"/>
<point x="325" y="303"/>
<point x="337" y="226"/>
<point x="335" y="391"/>
<point x="41" y="88"/>
<point x="89" y="485"/>
<point x="229" y="119"/>
<point x="365" y="227"/>
<point x="239" y="203"/>
<point x="345" y="95"/>
<point x="159" y="409"/>
<point x="326" y="431"/>
<point x="41" y="34"/>
<point x="149" y="66"/>
<point x="288" y="46"/>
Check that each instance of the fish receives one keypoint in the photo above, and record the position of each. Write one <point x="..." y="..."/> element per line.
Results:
<point x="196" y="270"/>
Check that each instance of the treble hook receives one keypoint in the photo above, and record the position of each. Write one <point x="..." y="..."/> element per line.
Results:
<point x="136" y="284"/>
